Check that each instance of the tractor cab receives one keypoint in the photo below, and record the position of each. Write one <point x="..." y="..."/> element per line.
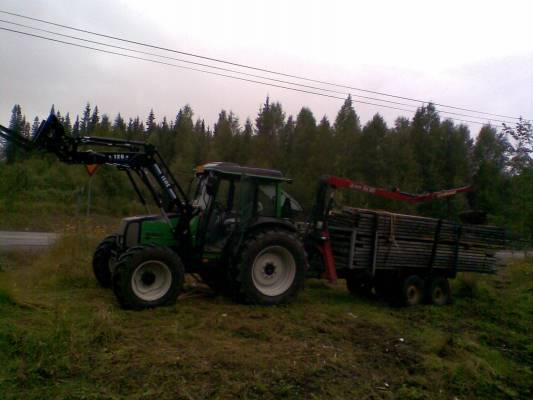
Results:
<point x="230" y="199"/>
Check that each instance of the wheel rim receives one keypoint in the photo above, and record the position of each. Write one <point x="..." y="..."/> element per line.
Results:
<point x="151" y="280"/>
<point x="413" y="295"/>
<point x="273" y="270"/>
<point x="439" y="296"/>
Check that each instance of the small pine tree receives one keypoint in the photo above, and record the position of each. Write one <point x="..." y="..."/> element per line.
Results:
<point x="105" y="125"/>
<point x="85" y="120"/>
<point x="76" y="129"/>
<point x="35" y="126"/>
<point x="119" y="126"/>
<point x="16" y="124"/>
<point x="151" y="125"/>
<point x="67" y="124"/>
<point x="94" y="121"/>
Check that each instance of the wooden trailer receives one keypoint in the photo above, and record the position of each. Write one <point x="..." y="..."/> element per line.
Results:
<point x="405" y="258"/>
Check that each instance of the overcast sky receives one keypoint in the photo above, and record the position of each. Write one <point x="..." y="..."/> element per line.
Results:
<point x="473" y="54"/>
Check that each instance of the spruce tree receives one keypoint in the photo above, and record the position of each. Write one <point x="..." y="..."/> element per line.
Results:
<point x="269" y="123"/>
<point x="35" y="126"/>
<point x="76" y="129"/>
<point x="104" y="126"/>
<point x="347" y="132"/>
<point x="85" y="122"/>
<point x="489" y="177"/>
<point x="372" y="159"/>
<point x="119" y="126"/>
<point x="151" y="125"/>
<point x="16" y="124"/>
<point x="67" y="124"/>
<point x="94" y="121"/>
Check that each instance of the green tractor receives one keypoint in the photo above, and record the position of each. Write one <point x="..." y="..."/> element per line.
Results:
<point x="239" y="238"/>
<point x="236" y="231"/>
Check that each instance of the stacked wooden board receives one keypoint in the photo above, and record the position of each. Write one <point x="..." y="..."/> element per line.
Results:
<point x="367" y="239"/>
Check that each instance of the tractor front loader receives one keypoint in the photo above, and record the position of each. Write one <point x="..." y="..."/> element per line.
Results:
<point x="236" y="232"/>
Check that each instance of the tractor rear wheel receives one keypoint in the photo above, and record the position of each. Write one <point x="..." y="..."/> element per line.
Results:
<point x="104" y="256"/>
<point x="270" y="269"/>
<point x="147" y="277"/>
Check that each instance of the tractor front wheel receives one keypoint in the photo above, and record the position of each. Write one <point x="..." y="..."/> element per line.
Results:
<point x="104" y="256"/>
<point x="271" y="268"/>
<point x="147" y="277"/>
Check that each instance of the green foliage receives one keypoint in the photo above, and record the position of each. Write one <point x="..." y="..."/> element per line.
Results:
<point x="418" y="155"/>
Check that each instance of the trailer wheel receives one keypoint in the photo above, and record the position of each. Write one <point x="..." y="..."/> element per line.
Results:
<point x="104" y="256"/>
<point x="358" y="284"/>
<point x="147" y="277"/>
<point x="439" y="292"/>
<point x="271" y="268"/>
<point x="383" y="287"/>
<point x="411" y="291"/>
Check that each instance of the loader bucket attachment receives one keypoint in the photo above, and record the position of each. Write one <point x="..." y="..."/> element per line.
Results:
<point x="51" y="137"/>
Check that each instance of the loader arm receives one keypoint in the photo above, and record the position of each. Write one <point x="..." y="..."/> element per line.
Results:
<point x="14" y="137"/>
<point x="138" y="157"/>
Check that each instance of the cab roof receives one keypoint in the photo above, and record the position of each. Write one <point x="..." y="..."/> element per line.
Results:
<point x="227" y="168"/>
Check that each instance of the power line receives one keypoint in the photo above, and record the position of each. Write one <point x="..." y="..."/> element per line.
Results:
<point x="193" y="69"/>
<point x="227" y="76"/>
<point x="203" y="65"/>
<point x="238" y="72"/>
<point x="488" y="120"/>
<point x="254" y="68"/>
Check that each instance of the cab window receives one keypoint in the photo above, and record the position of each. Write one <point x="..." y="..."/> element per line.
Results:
<point x="266" y="200"/>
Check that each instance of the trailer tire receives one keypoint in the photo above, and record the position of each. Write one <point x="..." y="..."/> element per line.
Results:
<point x="148" y="277"/>
<point x="358" y="284"/>
<point x="383" y="287"/>
<point x="104" y="256"/>
<point x="270" y="268"/>
<point x="411" y="291"/>
<point x="439" y="292"/>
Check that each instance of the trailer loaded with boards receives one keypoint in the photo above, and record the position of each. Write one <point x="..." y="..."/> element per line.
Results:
<point x="405" y="258"/>
<point x="237" y="231"/>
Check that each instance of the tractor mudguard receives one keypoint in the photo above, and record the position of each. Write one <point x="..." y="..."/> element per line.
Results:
<point x="150" y="229"/>
<point x="263" y="222"/>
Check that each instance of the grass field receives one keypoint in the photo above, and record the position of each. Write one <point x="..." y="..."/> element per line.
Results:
<point x="63" y="337"/>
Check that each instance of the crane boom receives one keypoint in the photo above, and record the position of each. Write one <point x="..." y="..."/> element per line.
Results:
<point x="326" y="188"/>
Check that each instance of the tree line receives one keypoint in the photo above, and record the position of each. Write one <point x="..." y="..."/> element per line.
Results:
<point x="421" y="154"/>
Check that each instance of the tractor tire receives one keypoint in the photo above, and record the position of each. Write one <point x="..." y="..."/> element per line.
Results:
<point x="411" y="291"/>
<point x="148" y="277"/>
<point x="438" y="291"/>
<point x="357" y="284"/>
<point x="104" y="256"/>
<point x="270" y="268"/>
